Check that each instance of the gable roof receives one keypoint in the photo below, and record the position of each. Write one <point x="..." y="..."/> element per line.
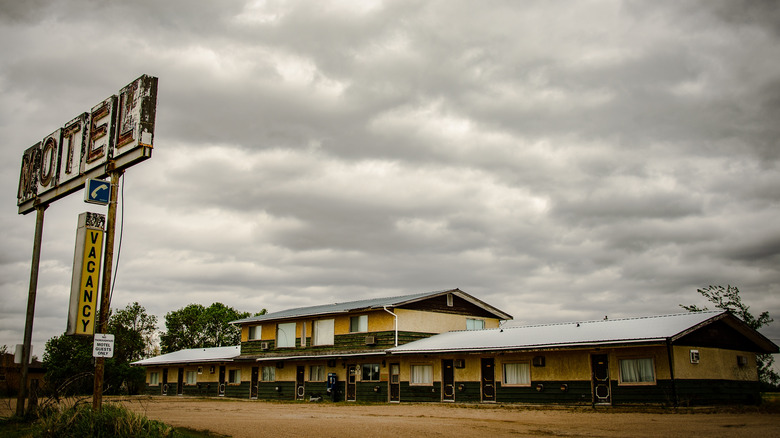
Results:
<point x="654" y="329"/>
<point x="369" y="304"/>
<point x="190" y="355"/>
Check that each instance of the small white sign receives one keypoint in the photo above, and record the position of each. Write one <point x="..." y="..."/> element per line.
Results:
<point x="103" y="345"/>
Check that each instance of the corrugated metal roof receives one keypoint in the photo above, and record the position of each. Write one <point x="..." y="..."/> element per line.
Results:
<point x="372" y="303"/>
<point x="191" y="355"/>
<point x="629" y="330"/>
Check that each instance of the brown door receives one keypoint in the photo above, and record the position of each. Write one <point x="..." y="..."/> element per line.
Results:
<point x="165" y="382"/>
<point x="180" y="382"/>
<point x="351" y="382"/>
<point x="253" y="382"/>
<point x="488" y="380"/>
<point x="300" y="389"/>
<point x="395" y="382"/>
<point x="221" y="381"/>
<point x="448" y="380"/>
<point x="599" y="364"/>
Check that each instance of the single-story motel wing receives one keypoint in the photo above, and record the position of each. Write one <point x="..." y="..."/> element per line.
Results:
<point x="448" y="346"/>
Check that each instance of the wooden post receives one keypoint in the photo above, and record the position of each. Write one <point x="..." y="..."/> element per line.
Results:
<point x="28" y="325"/>
<point x="105" y="295"/>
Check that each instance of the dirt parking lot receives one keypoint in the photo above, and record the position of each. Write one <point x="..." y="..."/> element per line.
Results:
<point x="244" y="418"/>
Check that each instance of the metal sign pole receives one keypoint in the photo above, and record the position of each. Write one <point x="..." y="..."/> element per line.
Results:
<point x="105" y="296"/>
<point x="28" y="325"/>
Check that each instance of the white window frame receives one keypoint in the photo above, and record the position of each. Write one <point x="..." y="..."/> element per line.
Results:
<point x="375" y="371"/>
<point x="421" y="374"/>
<point x="323" y="332"/>
<point x="255" y="332"/>
<point x="268" y="374"/>
<point x="640" y="365"/>
<point x="523" y="369"/>
<point x="362" y="323"/>
<point x="191" y="377"/>
<point x="287" y="330"/>
<point x="234" y="376"/>
<point x="316" y="373"/>
<point x="472" y="322"/>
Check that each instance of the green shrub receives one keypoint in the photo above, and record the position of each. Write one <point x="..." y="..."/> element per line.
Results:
<point x="112" y="421"/>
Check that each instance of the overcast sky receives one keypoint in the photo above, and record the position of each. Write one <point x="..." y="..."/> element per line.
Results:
<point x="561" y="161"/>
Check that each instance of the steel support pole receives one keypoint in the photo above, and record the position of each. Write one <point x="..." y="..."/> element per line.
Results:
<point x="28" y="324"/>
<point x="105" y="295"/>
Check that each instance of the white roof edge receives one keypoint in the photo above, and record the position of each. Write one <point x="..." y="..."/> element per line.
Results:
<point x="526" y="347"/>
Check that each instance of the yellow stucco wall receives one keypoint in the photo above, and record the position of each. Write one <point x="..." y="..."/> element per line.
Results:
<point x="432" y="322"/>
<point x="714" y="363"/>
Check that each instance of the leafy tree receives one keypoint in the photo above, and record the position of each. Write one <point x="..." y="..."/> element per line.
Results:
<point x="70" y="366"/>
<point x="133" y="319"/>
<point x="195" y="326"/>
<point x="728" y="299"/>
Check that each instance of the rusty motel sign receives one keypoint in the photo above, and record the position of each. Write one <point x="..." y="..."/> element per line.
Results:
<point x="113" y="135"/>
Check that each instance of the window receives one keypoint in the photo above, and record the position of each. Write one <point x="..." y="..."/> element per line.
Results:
<point x="254" y="332"/>
<point x="234" y="376"/>
<point x="317" y="373"/>
<point x="323" y="332"/>
<point x="370" y="372"/>
<point x="285" y="335"/>
<point x="694" y="356"/>
<point x="192" y="377"/>
<point x="474" y="324"/>
<point x="421" y="375"/>
<point x="154" y="378"/>
<point x="449" y="300"/>
<point x="200" y="370"/>
<point x="358" y="324"/>
<point x="269" y="374"/>
<point x="517" y="374"/>
<point x="637" y="370"/>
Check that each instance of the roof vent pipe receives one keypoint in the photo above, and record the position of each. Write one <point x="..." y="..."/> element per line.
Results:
<point x="395" y="323"/>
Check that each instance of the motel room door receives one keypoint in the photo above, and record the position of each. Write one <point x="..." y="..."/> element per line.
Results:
<point x="253" y="382"/>
<point x="180" y="382"/>
<point x="599" y="364"/>
<point x="448" y="380"/>
<point x="222" y="381"/>
<point x="488" y="380"/>
<point x="165" y="382"/>
<point x="300" y="389"/>
<point x="351" y="382"/>
<point x="395" y="382"/>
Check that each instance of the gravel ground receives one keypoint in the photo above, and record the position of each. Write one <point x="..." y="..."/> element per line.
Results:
<point x="245" y="418"/>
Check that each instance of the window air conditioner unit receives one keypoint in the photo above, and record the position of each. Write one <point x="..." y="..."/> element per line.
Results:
<point x="370" y="340"/>
<point x="264" y="346"/>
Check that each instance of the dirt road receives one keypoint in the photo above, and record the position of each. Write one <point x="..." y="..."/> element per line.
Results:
<point x="244" y="419"/>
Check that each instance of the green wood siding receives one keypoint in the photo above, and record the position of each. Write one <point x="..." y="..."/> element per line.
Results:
<point x="710" y="392"/>
<point x="426" y="393"/>
<point x="577" y="392"/>
<point x="341" y="343"/>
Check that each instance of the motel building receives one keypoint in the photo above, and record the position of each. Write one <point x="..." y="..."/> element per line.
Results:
<point x="448" y="346"/>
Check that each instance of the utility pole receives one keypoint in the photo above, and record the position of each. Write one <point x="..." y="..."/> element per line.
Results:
<point x="28" y="324"/>
<point x="105" y="294"/>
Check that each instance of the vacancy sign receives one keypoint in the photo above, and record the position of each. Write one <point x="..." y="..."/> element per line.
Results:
<point x="86" y="274"/>
<point x="103" y="346"/>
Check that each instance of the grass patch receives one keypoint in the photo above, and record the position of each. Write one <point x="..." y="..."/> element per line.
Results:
<point x="79" y="420"/>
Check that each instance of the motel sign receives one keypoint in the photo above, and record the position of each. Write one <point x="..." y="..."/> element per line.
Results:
<point x="118" y="131"/>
